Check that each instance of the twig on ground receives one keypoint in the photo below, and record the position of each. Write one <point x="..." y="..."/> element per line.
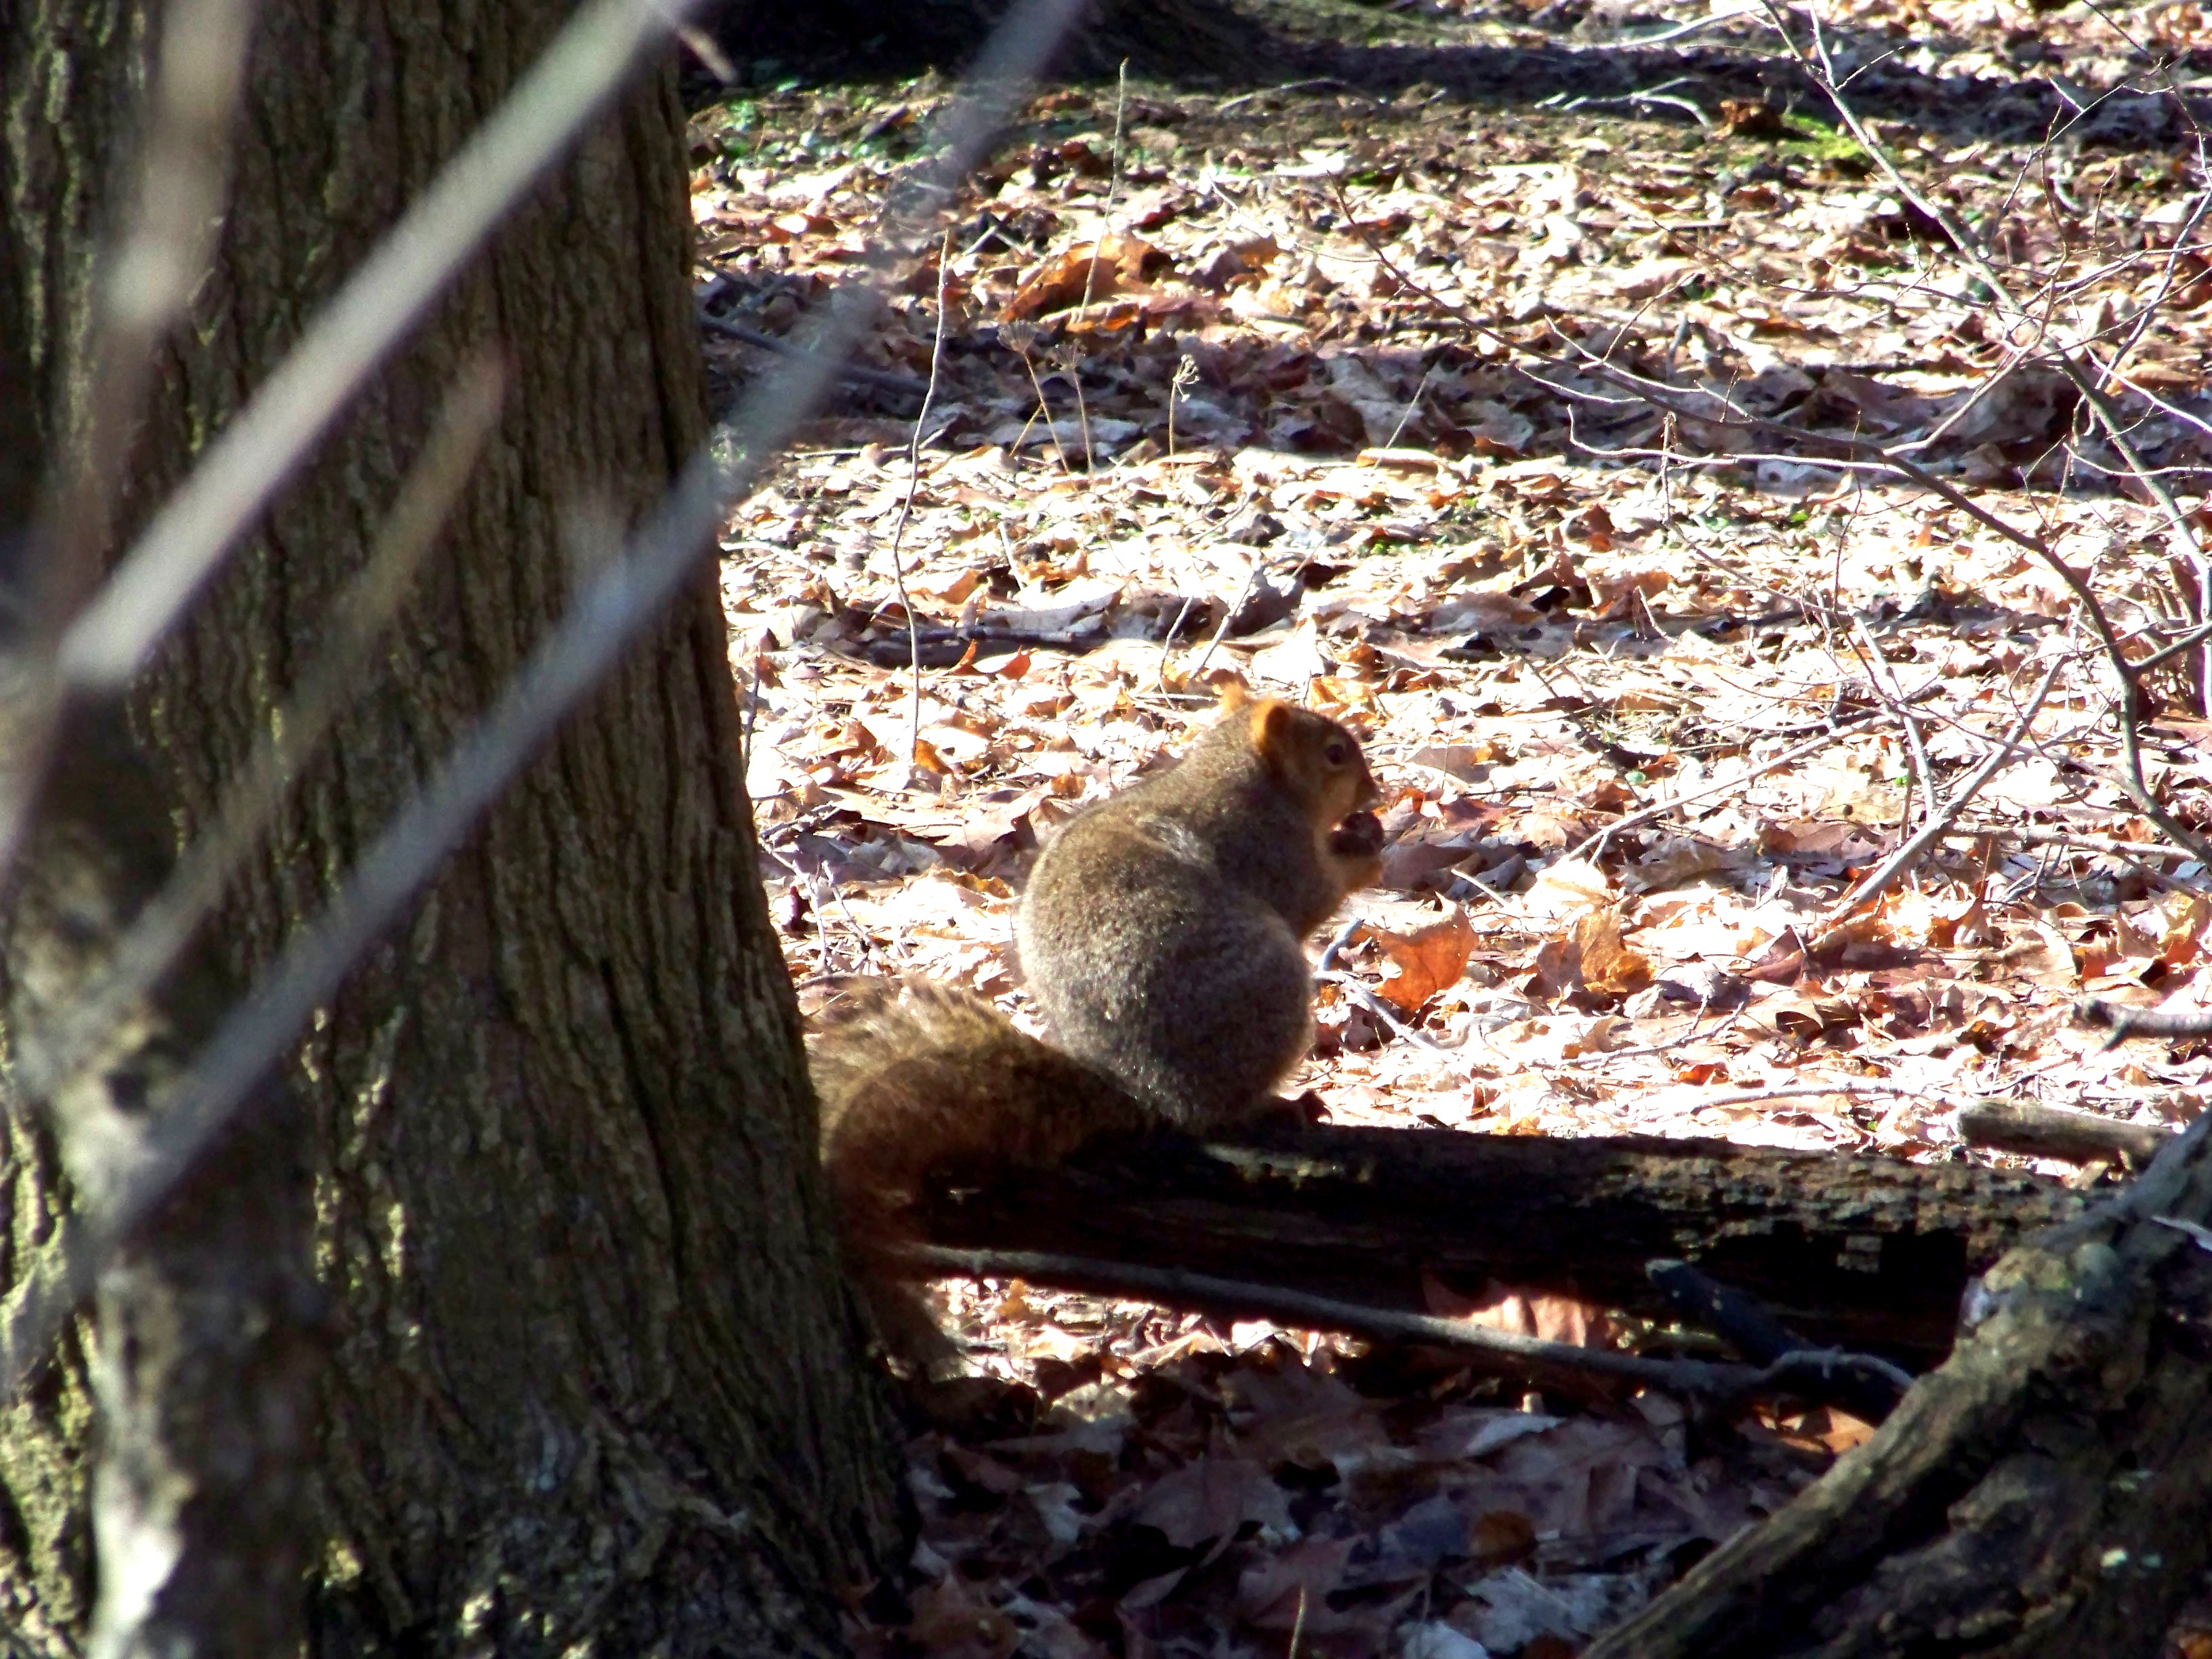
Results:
<point x="1070" y="361"/>
<point x="1021" y="336"/>
<point x="1881" y="879"/>
<point x="1797" y="1374"/>
<point x="1336" y="946"/>
<point x="1326" y="970"/>
<point x="2125" y="1022"/>
<point x="1697" y="1033"/>
<point x="2032" y="1130"/>
<point x="1883" y="678"/>
<point x="1168" y="641"/>
<point x="1413" y="404"/>
<point x="1689" y="107"/>
<point x="1816" y="63"/>
<point x="1105" y="217"/>
<point x="2037" y="837"/>
<point x="1676" y="32"/>
<point x="817" y="883"/>
<point x="1678" y="1103"/>
<point x="1244" y="593"/>
<point x="1351" y="986"/>
<point x="1868" y="1387"/>
<point x="1592" y="846"/>
<point x="1859" y="456"/>
<point x="1325" y="83"/>
<point x="2173" y="648"/>
<point x="906" y="512"/>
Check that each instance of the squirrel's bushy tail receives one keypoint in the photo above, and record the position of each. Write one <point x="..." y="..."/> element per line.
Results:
<point x="922" y="1085"/>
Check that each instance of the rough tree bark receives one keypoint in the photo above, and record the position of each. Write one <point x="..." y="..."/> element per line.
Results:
<point x="201" y="1359"/>
<point x="591" y="1373"/>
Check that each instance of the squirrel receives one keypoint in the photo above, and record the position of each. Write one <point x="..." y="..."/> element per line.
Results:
<point x="1161" y="933"/>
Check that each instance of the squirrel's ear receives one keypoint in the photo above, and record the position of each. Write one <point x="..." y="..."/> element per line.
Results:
<point x="1271" y="726"/>
<point x="1234" y="696"/>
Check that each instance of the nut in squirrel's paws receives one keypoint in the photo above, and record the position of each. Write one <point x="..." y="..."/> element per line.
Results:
<point x="1359" y="836"/>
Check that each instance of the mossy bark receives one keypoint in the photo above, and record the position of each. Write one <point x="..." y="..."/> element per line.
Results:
<point x="592" y="1372"/>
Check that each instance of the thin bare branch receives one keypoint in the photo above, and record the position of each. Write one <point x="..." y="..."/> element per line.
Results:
<point x="1509" y="1351"/>
<point x="1814" y="62"/>
<point x="161" y="251"/>
<point x="2125" y="1022"/>
<point x="1880" y="880"/>
<point x="2032" y="1130"/>
<point x="2033" y="836"/>
<point x="1592" y="846"/>
<point x="906" y="512"/>
<point x="1883" y="678"/>
<point x="158" y="260"/>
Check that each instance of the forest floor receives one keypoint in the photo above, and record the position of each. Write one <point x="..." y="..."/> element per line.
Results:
<point x="1365" y="406"/>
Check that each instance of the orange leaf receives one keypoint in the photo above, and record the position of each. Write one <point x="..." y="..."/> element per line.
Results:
<point x="1609" y="968"/>
<point x="1427" y="960"/>
<point x="1060" y="282"/>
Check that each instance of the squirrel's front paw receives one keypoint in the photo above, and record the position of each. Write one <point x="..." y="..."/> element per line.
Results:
<point x="1358" y="836"/>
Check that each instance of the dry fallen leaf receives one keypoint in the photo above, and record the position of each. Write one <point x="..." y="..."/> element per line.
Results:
<point x="1114" y="264"/>
<point x="1427" y="960"/>
<point x="952" y="1620"/>
<point x="1608" y="967"/>
<point x="1206" y="1501"/>
<point x="1292" y="661"/>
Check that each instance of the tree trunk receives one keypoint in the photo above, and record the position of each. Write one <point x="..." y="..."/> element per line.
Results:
<point x="592" y="1373"/>
<point x="202" y="1362"/>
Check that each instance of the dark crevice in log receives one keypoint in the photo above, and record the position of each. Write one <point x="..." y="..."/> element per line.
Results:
<point x="1862" y="1253"/>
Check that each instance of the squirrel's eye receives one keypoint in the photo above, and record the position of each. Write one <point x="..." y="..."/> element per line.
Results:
<point x="1337" y="754"/>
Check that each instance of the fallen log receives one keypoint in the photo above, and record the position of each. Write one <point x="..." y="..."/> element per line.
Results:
<point x="1862" y="1253"/>
<point x="2046" y="1493"/>
<point x="2034" y="1131"/>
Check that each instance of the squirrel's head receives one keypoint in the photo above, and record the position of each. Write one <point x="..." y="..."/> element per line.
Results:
<point x="1318" y="759"/>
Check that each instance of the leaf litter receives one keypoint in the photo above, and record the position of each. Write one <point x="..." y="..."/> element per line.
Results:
<point x="1209" y="408"/>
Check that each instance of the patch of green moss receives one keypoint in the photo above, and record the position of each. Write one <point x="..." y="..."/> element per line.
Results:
<point x="1821" y="141"/>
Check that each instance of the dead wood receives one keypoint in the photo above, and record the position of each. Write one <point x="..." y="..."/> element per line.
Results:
<point x="1862" y="1253"/>
<point x="1867" y="1389"/>
<point x="2048" y="1492"/>
<point x="2125" y="1022"/>
<point x="2033" y="1131"/>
